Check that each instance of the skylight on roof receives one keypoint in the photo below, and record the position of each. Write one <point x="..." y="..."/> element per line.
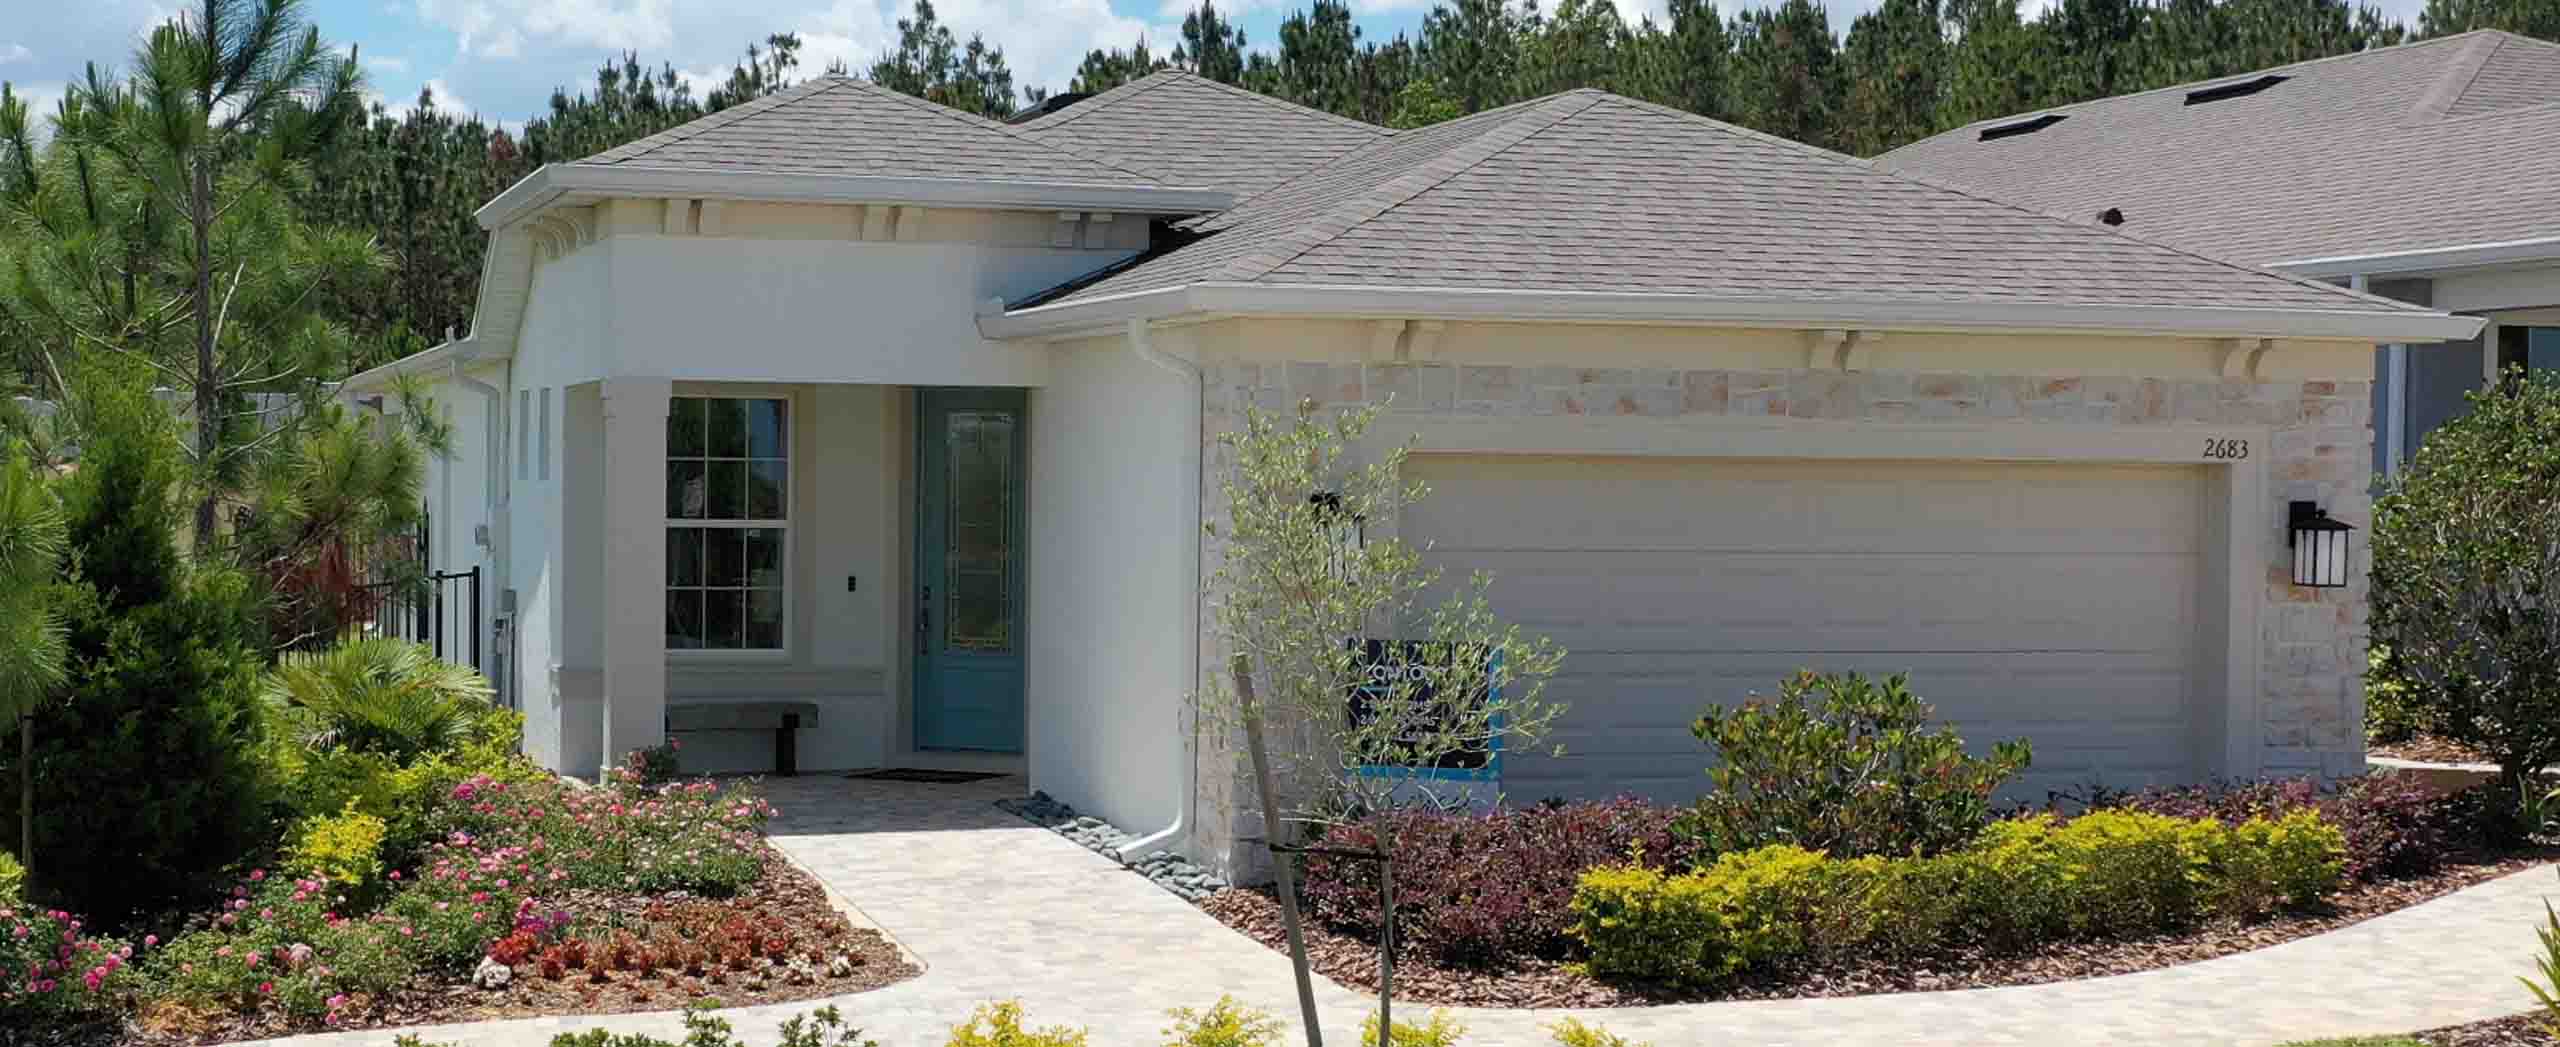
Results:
<point x="2027" y="126"/>
<point x="2234" y="89"/>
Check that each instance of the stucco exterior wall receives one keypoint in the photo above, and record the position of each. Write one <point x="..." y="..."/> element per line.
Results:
<point x="1110" y="596"/>
<point x="2284" y="692"/>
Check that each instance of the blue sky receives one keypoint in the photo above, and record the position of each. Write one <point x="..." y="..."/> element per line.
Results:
<point x="501" y="58"/>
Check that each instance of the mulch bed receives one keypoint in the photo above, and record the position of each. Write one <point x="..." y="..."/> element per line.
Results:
<point x="2428" y="748"/>
<point x="783" y="892"/>
<point x="1353" y="962"/>
<point x="2516" y="1030"/>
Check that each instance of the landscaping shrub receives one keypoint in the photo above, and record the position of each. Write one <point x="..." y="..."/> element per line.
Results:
<point x="1477" y="888"/>
<point x="344" y="848"/>
<point x="1225" y="1024"/>
<point x="824" y="1027"/>
<point x="2462" y="572"/>
<point x="1747" y="909"/>
<point x="375" y="695"/>
<point x="1440" y="1030"/>
<point x="51" y="966"/>
<point x="2025" y="882"/>
<point x="13" y="881"/>
<point x="1000" y="1025"/>
<point x="647" y="768"/>
<point x="2391" y="711"/>
<point x="1572" y="1033"/>
<point x="1844" y="765"/>
<point x="2546" y="992"/>
<point x="157" y="725"/>
<point x="2390" y="825"/>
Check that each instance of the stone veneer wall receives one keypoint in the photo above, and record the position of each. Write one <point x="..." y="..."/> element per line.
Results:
<point x="2313" y="640"/>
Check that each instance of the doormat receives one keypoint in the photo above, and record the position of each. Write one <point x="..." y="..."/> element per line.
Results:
<point x="931" y="777"/>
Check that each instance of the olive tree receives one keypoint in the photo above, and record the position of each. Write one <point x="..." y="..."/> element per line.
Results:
<point x="2466" y="572"/>
<point x="1374" y="674"/>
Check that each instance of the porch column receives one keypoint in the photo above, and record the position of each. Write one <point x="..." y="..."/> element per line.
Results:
<point x="635" y="559"/>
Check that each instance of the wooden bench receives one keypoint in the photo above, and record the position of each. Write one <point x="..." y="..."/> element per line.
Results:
<point x="784" y="718"/>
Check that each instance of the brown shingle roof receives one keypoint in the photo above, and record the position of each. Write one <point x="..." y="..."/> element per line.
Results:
<point x="1587" y="191"/>
<point x="1190" y="130"/>
<point x="2442" y="143"/>
<point x="840" y="126"/>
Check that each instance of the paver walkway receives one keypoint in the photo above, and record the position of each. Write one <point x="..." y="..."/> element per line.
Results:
<point x="997" y="908"/>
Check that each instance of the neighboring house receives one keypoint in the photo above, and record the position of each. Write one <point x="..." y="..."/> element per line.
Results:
<point x="2427" y="172"/>
<point x="847" y="399"/>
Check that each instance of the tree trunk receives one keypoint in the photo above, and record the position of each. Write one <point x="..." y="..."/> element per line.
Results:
<point x="208" y="383"/>
<point x="1243" y="673"/>
<point x="27" y="794"/>
<point x="1386" y="945"/>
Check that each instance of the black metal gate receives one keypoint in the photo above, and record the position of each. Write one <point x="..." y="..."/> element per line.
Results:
<point x="444" y="615"/>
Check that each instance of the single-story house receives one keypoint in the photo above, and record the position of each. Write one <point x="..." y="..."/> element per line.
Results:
<point x="908" y="419"/>
<point x="2421" y="172"/>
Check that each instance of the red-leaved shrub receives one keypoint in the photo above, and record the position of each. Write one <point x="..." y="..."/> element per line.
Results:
<point x="1485" y="888"/>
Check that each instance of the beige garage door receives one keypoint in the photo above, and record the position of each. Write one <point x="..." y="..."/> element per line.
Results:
<point x="2052" y="602"/>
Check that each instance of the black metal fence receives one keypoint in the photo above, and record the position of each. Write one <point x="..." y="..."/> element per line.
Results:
<point x="443" y="614"/>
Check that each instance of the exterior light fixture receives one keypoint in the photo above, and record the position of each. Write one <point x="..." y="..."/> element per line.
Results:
<point x="2319" y="547"/>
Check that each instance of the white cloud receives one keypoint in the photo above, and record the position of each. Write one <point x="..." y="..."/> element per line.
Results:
<point x="386" y="64"/>
<point x="14" y="53"/>
<point x="446" y="101"/>
<point x="495" y="30"/>
<point x="41" y="99"/>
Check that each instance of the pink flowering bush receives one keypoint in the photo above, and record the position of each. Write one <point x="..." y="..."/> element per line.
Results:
<point x="282" y="942"/>
<point x="50" y="965"/>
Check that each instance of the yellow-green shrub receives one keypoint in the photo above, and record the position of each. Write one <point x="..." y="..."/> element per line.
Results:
<point x="1000" y="1025"/>
<point x="1225" y="1024"/>
<point x="345" y="847"/>
<point x="13" y="881"/>
<point x="2132" y="873"/>
<point x="1747" y="909"/>
<point x="1440" y="1031"/>
<point x="2261" y="865"/>
<point x="1572" y="1033"/>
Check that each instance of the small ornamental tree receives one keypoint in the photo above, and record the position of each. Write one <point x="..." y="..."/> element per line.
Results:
<point x="1369" y="669"/>
<point x="31" y="635"/>
<point x="2466" y="576"/>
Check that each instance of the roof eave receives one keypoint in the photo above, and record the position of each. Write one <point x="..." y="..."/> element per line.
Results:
<point x="2545" y="249"/>
<point x="1090" y="316"/>
<point x="383" y="377"/>
<point x="554" y="182"/>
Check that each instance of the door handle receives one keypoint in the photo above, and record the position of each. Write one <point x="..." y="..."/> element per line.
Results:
<point x="924" y="620"/>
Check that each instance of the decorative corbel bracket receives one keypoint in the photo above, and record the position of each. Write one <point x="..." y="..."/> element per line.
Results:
<point x="2241" y="357"/>
<point x="1838" y="349"/>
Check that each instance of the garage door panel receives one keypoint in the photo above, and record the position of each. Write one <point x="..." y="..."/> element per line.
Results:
<point x="2054" y="602"/>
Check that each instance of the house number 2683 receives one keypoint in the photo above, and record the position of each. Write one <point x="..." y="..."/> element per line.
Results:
<point x="2225" y="450"/>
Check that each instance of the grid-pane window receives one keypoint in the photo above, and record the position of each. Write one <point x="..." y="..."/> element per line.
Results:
<point x="728" y="522"/>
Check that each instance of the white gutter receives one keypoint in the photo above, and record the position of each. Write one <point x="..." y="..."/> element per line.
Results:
<point x="2430" y="259"/>
<point x="495" y="426"/>
<point x="1089" y="316"/>
<point x="578" y="183"/>
<point x="1187" y="777"/>
<point x="379" y="379"/>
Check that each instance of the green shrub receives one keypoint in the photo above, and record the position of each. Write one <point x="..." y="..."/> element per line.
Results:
<point x="1745" y="910"/>
<point x="1440" y="1030"/>
<point x="13" y="881"/>
<point x="1225" y="1024"/>
<point x="1844" y="765"/>
<point x="2546" y="992"/>
<point x="2392" y="712"/>
<point x="2132" y="873"/>
<point x="1000" y="1025"/>
<point x="344" y="848"/>
<point x="2462" y="574"/>
<point x="824" y="1027"/>
<point x="375" y="695"/>
<point x="1572" y="1033"/>
<point x="2262" y="865"/>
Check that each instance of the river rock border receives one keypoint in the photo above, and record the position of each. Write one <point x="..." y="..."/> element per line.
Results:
<point x="1173" y="872"/>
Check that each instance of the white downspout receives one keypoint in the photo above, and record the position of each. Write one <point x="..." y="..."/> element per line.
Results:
<point x="495" y="424"/>
<point x="1187" y="778"/>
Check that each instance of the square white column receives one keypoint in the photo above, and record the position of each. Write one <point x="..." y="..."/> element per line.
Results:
<point x="635" y="564"/>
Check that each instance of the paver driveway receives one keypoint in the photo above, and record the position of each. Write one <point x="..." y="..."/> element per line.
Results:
<point x="996" y="908"/>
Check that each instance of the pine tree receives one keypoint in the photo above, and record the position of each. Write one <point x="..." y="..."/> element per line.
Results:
<point x="1998" y="65"/>
<point x="930" y="63"/>
<point x="2535" y="18"/>
<point x="1896" y="65"/>
<point x="1472" y="47"/>
<point x="1786" y="72"/>
<point x="1703" y="57"/>
<point x="1211" y="46"/>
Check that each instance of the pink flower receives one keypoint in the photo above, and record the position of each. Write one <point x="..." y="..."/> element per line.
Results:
<point x="92" y="979"/>
<point x="395" y="874"/>
<point x="252" y="959"/>
<point x="150" y="940"/>
<point x="266" y="988"/>
<point x="256" y="875"/>
<point x="224" y="951"/>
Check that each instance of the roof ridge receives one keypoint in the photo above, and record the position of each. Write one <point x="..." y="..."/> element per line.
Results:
<point x="2193" y="84"/>
<point x="973" y="120"/>
<point x="1412" y="182"/>
<point x="692" y="129"/>
<point x="1385" y="135"/>
<point x="1104" y="100"/>
<point x="1280" y="103"/>
<point x="2457" y="77"/>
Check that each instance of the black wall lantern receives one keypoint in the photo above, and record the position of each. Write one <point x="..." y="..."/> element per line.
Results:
<point x="2319" y="547"/>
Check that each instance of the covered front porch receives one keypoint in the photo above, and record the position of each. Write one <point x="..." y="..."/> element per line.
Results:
<point x="726" y="554"/>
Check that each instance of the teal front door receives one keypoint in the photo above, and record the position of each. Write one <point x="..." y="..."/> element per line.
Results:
<point x="968" y="643"/>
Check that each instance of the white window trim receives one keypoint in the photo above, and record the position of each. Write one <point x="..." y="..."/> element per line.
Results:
<point x="787" y="525"/>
